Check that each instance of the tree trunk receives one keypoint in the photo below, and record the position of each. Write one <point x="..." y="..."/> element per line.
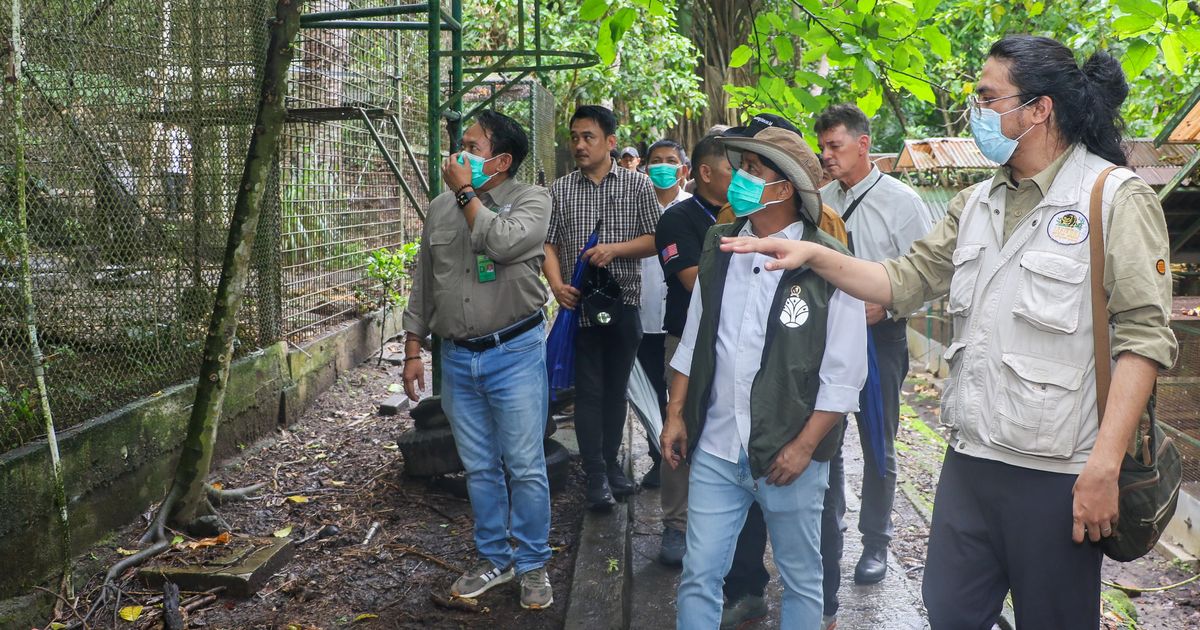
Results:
<point x="196" y="460"/>
<point x="16" y="108"/>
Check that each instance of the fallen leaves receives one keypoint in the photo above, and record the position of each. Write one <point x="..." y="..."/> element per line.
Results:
<point x="298" y="498"/>
<point x="126" y="552"/>
<point x="283" y="533"/>
<point x="130" y="613"/>
<point x="365" y="616"/>
<point x="222" y="539"/>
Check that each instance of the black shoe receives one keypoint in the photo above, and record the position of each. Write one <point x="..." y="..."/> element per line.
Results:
<point x="872" y="566"/>
<point x="653" y="478"/>
<point x="599" y="496"/>
<point x="620" y="484"/>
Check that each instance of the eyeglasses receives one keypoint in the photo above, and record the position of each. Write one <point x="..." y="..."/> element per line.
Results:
<point x="974" y="105"/>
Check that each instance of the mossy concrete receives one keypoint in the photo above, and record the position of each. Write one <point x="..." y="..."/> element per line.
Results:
<point x="117" y="465"/>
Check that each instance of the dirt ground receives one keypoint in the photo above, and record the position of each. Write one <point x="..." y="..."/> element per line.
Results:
<point x="920" y="447"/>
<point x="342" y="457"/>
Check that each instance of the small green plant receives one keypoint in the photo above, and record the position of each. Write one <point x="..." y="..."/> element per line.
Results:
<point x="613" y="565"/>
<point x="390" y="268"/>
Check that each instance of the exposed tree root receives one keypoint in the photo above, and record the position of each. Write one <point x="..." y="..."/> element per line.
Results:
<point x="220" y="496"/>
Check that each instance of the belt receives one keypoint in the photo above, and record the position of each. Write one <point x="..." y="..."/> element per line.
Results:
<point x="487" y="342"/>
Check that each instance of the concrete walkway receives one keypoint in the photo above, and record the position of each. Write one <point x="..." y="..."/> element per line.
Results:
<point x="638" y="592"/>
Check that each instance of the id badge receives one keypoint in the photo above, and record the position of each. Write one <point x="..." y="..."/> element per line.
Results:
<point x="485" y="268"/>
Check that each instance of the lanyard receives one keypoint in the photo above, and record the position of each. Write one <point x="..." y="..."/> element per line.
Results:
<point x="854" y="206"/>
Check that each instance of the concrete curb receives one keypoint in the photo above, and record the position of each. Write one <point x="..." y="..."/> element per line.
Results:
<point x="602" y="583"/>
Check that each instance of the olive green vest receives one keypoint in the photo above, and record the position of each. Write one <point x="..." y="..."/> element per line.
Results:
<point x="784" y="391"/>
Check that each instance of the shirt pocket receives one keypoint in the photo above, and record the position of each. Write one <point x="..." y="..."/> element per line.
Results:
<point x="445" y="257"/>
<point x="950" y="407"/>
<point x="1050" y="291"/>
<point x="1037" y="406"/>
<point x="967" y="260"/>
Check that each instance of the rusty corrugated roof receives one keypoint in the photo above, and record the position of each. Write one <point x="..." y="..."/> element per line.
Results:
<point x="1157" y="165"/>
<point x="886" y="162"/>
<point x="932" y="154"/>
<point x="1184" y="126"/>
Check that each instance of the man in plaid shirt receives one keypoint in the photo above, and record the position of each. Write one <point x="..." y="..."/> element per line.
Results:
<point x="623" y="204"/>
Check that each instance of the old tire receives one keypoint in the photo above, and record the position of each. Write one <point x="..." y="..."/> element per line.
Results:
<point x="428" y="414"/>
<point x="429" y="453"/>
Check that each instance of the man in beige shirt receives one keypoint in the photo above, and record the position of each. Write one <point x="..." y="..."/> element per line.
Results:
<point x="1029" y="483"/>
<point x="478" y="287"/>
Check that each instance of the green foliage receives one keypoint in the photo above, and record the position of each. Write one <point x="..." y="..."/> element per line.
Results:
<point x="390" y="268"/>
<point x="1119" y="609"/>
<point x="920" y="58"/>
<point x="647" y="68"/>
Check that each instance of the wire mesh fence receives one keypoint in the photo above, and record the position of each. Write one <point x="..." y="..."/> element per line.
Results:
<point x="532" y="106"/>
<point x="350" y="92"/>
<point x="138" y="115"/>
<point x="1179" y="401"/>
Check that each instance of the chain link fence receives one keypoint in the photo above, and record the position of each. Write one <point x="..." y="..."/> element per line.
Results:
<point x="138" y="115"/>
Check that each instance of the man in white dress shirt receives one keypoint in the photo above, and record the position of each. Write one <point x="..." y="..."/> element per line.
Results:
<point x="883" y="217"/>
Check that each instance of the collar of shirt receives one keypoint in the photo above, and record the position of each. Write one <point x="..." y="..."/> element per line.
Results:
<point x="614" y="171"/>
<point x="793" y="232"/>
<point x="1042" y="180"/>
<point x="499" y="194"/>
<point x="861" y="187"/>
<point x="682" y="195"/>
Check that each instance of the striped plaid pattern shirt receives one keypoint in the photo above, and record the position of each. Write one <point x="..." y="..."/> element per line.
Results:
<point x="625" y="207"/>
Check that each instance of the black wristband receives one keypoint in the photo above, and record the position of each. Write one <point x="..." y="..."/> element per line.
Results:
<point x="465" y="198"/>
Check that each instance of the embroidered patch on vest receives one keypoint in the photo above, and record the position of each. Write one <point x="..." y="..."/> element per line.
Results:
<point x="1161" y="267"/>
<point x="1068" y="227"/>
<point x="795" y="310"/>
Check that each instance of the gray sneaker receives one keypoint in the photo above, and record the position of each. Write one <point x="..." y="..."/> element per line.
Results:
<point x="479" y="579"/>
<point x="536" y="593"/>
<point x="673" y="547"/>
<point x="743" y="610"/>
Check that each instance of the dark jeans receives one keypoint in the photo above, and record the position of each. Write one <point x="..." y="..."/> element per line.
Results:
<point x="878" y="491"/>
<point x="652" y="355"/>
<point x="996" y="528"/>
<point x="604" y="356"/>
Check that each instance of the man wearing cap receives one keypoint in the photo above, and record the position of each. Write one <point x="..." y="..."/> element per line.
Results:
<point x="629" y="159"/>
<point x="622" y="205"/>
<point x="768" y="364"/>
<point x="477" y="287"/>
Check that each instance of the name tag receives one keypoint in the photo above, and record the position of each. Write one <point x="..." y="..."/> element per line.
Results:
<point x="485" y="268"/>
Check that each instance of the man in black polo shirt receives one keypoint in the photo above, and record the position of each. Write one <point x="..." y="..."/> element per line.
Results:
<point x="679" y="238"/>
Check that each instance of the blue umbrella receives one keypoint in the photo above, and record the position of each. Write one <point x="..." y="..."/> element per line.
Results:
<point x="560" y="345"/>
<point x="872" y="412"/>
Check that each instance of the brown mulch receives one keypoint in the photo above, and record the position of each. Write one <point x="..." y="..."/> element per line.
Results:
<point x="342" y="457"/>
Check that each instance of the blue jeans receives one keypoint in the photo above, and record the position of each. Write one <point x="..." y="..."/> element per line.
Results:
<point x="497" y="401"/>
<point x="719" y="495"/>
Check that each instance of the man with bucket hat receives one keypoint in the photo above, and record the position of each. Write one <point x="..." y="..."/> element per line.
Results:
<point x="767" y="366"/>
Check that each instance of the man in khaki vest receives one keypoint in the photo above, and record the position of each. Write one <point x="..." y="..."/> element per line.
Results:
<point x="1029" y="484"/>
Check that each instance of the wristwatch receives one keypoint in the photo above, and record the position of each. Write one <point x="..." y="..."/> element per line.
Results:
<point x="464" y="197"/>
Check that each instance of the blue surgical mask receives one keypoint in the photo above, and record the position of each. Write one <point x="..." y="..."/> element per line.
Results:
<point x="992" y="143"/>
<point x="478" y="177"/>
<point x="663" y="176"/>
<point x="746" y="191"/>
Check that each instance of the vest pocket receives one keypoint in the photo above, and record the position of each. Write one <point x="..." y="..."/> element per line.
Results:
<point x="947" y="416"/>
<point x="1050" y="291"/>
<point x="1036" y="406"/>
<point x="962" y="284"/>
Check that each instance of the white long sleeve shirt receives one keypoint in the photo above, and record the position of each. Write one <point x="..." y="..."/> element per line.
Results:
<point x="745" y="307"/>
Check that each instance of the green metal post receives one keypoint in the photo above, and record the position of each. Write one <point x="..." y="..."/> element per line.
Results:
<point x="435" y="145"/>
<point x="455" y="126"/>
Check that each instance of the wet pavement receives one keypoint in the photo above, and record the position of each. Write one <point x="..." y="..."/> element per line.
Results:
<point x="894" y="603"/>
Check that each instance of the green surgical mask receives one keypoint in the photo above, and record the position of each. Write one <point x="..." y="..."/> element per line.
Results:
<point x="663" y="176"/>
<point x="478" y="177"/>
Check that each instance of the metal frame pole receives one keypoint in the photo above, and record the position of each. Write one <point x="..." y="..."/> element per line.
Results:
<point x="435" y="147"/>
<point x="455" y="122"/>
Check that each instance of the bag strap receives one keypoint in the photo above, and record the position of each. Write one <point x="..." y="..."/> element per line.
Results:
<point x="854" y="206"/>
<point x="1099" y="299"/>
